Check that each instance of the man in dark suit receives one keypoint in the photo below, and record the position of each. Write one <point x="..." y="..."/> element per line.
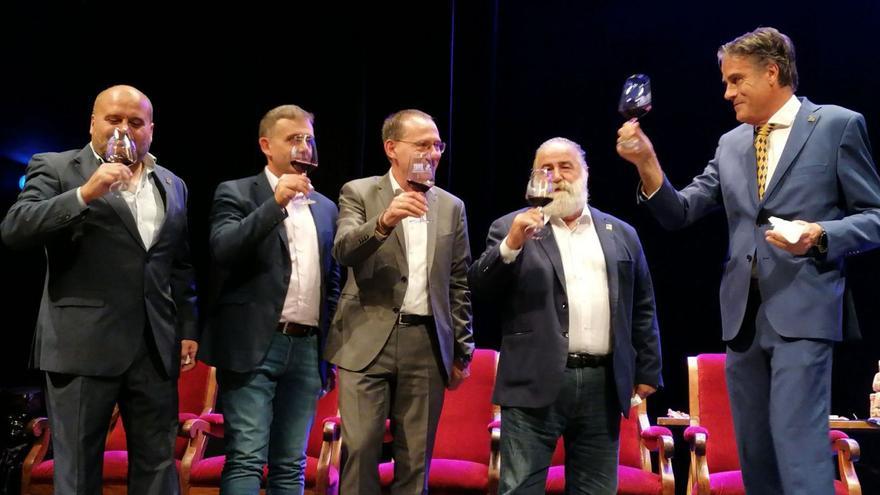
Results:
<point x="782" y="300"/>
<point x="271" y="240"/>
<point x="579" y="336"/>
<point x="117" y="320"/>
<point x="403" y="328"/>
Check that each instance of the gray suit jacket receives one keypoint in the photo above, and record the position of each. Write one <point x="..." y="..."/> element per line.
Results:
<point x="377" y="275"/>
<point x="103" y="286"/>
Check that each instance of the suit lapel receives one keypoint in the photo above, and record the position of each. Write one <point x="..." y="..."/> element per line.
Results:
<point x="262" y="191"/>
<point x="163" y="184"/>
<point x="548" y="244"/>
<point x="87" y="163"/>
<point x="610" y="249"/>
<point x="433" y="203"/>
<point x="384" y="196"/>
<point x="750" y="164"/>
<point x="801" y="128"/>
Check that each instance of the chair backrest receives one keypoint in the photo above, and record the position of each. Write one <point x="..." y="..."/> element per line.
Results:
<point x="467" y="411"/>
<point x="632" y="453"/>
<point x="328" y="407"/>
<point x="196" y="394"/>
<point x="710" y="408"/>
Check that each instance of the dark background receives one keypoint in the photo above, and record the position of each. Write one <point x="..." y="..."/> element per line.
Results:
<point x="500" y="77"/>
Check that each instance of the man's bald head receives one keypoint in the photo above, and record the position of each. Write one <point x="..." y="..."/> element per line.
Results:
<point x="122" y="92"/>
<point x="127" y="109"/>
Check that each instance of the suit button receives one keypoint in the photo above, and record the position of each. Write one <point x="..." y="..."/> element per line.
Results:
<point x="564" y="306"/>
<point x="749" y="258"/>
<point x="395" y="309"/>
<point x="403" y="279"/>
<point x="565" y="334"/>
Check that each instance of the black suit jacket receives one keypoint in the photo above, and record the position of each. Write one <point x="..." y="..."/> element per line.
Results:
<point x="103" y="286"/>
<point x="534" y="314"/>
<point x="252" y="261"/>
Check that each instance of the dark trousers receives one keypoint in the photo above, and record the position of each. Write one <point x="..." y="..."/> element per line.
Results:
<point x="586" y="416"/>
<point x="406" y="384"/>
<point x="780" y="396"/>
<point x="80" y="408"/>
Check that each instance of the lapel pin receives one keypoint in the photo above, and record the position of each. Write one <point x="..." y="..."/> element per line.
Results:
<point x="811" y="118"/>
<point x="168" y="180"/>
<point x="608" y="226"/>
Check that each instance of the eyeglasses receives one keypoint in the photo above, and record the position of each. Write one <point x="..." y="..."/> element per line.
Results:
<point x="440" y="146"/>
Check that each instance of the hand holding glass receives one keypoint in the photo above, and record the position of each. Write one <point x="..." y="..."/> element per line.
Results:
<point x="539" y="193"/>
<point x="120" y="149"/>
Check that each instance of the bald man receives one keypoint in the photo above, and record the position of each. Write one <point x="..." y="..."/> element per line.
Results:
<point x="117" y="320"/>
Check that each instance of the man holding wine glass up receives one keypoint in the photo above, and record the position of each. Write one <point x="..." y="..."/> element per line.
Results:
<point x="117" y="321"/>
<point x="403" y="327"/>
<point x="271" y="241"/>
<point x="783" y="295"/>
<point x="579" y="337"/>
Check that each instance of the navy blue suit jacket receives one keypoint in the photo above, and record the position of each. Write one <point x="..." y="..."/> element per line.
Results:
<point x="825" y="175"/>
<point x="103" y="286"/>
<point x="252" y="261"/>
<point x="534" y="313"/>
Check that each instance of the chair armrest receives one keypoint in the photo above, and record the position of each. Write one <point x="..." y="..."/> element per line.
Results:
<point x="39" y="428"/>
<point x="215" y="423"/>
<point x="192" y="427"/>
<point x="848" y="452"/>
<point x="696" y="436"/>
<point x="659" y="439"/>
<point x="494" y="452"/>
<point x="329" y="456"/>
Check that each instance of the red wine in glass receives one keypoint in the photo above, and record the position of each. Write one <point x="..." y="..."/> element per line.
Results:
<point x="635" y="99"/>
<point x="304" y="159"/>
<point x="120" y="149"/>
<point x="421" y="187"/>
<point x="538" y="201"/>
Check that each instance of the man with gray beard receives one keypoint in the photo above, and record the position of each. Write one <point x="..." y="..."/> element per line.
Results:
<point x="579" y="337"/>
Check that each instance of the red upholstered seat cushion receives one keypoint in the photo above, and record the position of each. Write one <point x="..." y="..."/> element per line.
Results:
<point x="115" y="468"/>
<point x="446" y="476"/>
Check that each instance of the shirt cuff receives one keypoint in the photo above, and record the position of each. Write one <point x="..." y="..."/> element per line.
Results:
<point x="79" y="197"/>
<point x="646" y="197"/>
<point x="508" y="255"/>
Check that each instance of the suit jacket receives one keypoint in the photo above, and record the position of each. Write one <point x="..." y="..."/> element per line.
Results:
<point x="825" y="175"/>
<point x="252" y="260"/>
<point x="534" y="313"/>
<point x="103" y="286"/>
<point x="377" y="275"/>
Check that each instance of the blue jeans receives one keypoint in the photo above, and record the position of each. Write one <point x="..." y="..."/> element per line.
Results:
<point x="281" y="392"/>
<point x="586" y="415"/>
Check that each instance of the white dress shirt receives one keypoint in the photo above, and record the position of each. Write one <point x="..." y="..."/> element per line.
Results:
<point x="415" y="300"/>
<point x="586" y="283"/>
<point x="144" y="201"/>
<point x="783" y="118"/>
<point x="303" y="299"/>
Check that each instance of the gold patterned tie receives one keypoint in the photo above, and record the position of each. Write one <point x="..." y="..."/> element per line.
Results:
<point x="761" y="153"/>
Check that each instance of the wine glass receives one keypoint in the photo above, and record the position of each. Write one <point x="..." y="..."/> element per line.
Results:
<point x="304" y="158"/>
<point x="421" y="175"/>
<point x="120" y="149"/>
<point x="635" y="101"/>
<point x="539" y="193"/>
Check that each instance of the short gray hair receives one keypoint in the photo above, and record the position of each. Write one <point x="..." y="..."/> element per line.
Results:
<point x="580" y="155"/>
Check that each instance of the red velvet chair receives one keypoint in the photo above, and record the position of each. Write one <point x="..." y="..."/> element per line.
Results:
<point x="460" y="462"/>
<point x="197" y="392"/>
<point x="635" y="473"/>
<point x="714" y="465"/>
<point x="322" y="475"/>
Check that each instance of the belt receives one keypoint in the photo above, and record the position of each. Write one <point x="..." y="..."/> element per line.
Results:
<point x="296" y="329"/>
<point x="406" y="320"/>
<point x="584" y="360"/>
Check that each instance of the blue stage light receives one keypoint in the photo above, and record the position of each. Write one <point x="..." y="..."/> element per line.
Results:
<point x="21" y="182"/>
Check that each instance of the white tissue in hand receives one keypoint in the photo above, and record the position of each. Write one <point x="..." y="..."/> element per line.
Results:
<point x="789" y="230"/>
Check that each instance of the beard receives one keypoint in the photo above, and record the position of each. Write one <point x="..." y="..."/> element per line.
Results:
<point x="569" y="199"/>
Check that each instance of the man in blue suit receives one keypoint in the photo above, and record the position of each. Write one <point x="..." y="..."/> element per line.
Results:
<point x="278" y="290"/>
<point x="782" y="300"/>
<point x="117" y="321"/>
<point x="579" y="332"/>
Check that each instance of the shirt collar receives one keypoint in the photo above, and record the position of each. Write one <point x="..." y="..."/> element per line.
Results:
<point x="395" y="186"/>
<point x="585" y="220"/>
<point x="784" y="117"/>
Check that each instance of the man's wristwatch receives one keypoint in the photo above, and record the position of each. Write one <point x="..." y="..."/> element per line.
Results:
<point x="822" y="242"/>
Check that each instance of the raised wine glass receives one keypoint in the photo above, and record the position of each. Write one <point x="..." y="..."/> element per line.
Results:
<point x="539" y="193"/>
<point x="635" y="101"/>
<point x="304" y="158"/>
<point x="120" y="149"/>
<point x="421" y="175"/>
